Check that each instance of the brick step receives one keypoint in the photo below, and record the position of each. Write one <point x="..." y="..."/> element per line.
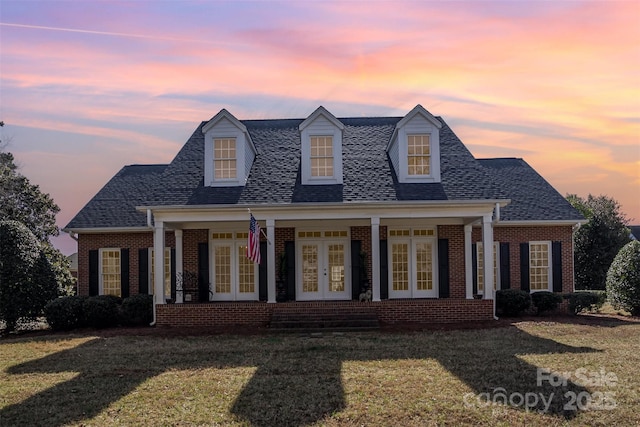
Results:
<point x="323" y="318"/>
<point x="326" y="324"/>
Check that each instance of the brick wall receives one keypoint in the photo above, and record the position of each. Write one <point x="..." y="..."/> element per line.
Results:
<point x="516" y="235"/>
<point x="258" y="314"/>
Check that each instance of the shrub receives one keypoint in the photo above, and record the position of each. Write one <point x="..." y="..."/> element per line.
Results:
<point x="21" y="297"/>
<point x="512" y="302"/>
<point x="623" y="279"/>
<point x="65" y="313"/>
<point x="585" y="300"/>
<point x="101" y="311"/>
<point x="545" y="301"/>
<point x="137" y="310"/>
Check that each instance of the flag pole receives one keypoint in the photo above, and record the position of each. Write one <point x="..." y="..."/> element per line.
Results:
<point x="261" y="230"/>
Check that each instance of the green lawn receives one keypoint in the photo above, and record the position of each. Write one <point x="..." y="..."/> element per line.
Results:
<point x="354" y="379"/>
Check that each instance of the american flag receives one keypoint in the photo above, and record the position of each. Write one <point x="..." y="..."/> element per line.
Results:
<point x="253" y="245"/>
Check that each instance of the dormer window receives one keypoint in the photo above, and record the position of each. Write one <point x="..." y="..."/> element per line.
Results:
<point x="414" y="148"/>
<point x="228" y="151"/>
<point x="224" y="158"/>
<point x="322" y="156"/>
<point x="418" y="154"/>
<point x="321" y="149"/>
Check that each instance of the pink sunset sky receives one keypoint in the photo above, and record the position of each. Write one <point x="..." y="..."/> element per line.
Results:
<point x="88" y="87"/>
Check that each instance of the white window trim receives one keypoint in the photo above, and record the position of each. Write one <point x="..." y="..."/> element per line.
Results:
<point x="100" y="275"/>
<point x="309" y="128"/>
<point x="235" y="294"/>
<point x="412" y="240"/>
<point x="550" y="268"/>
<point x="323" y="243"/>
<point x="496" y="260"/>
<point x="151" y="276"/>
<point x="213" y="141"/>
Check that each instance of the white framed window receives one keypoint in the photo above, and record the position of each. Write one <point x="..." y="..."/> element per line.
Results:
<point x="224" y="158"/>
<point x="480" y="263"/>
<point x="167" y="272"/>
<point x="540" y="266"/>
<point x="322" y="156"/>
<point x="418" y="155"/>
<point x="110" y="272"/>
<point x="412" y="263"/>
<point x="233" y="276"/>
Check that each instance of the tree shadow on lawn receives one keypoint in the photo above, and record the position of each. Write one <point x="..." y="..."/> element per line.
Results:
<point x="293" y="385"/>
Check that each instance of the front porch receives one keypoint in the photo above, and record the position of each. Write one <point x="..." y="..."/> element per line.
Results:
<point x="260" y="314"/>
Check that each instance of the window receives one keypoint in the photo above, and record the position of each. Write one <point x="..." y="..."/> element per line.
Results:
<point x="418" y="154"/>
<point x="321" y="156"/>
<point x="412" y="261"/>
<point x="233" y="276"/>
<point x="496" y="263"/>
<point x="224" y="155"/>
<point x="539" y="266"/>
<point x="167" y="272"/>
<point x="110" y="272"/>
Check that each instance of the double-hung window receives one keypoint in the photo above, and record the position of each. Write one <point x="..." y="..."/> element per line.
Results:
<point x="224" y="158"/>
<point x="322" y="156"/>
<point x="418" y="155"/>
<point x="540" y="266"/>
<point x="110" y="272"/>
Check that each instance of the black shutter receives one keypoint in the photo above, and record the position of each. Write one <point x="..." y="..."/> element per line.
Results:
<point x="505" y="266"/>
<point x="556" y="272"/>
<point x="524" y="266"/>
<point x="384" y="270"/>
<point x="203" y="272"/>
<point x="356" y="247"/>
<point x="173" y="274"/>
<point x="94" y="274"/>
<point x="262" y="273"/>
<point x="143" y="271"/>
<point x="443" y="268"/>
<point x="124" y="273"/>
<point x="474" y="267"/>
<point x="290" y="254"/>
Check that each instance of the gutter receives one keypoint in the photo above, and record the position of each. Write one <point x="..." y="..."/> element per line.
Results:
<point x="149" y="217"/>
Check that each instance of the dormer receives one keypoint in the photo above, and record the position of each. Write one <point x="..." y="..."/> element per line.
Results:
<point x="321" y="148"/>
<point x="228" y="151"/>
<point x="414" y="148"/>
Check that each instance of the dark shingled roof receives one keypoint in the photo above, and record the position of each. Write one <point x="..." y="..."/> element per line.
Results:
<point x="115" y="204"/>
<point x="532" y="197"/>
<point x="275" y="177"/>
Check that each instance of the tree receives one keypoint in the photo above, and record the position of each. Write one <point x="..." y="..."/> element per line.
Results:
<point x="24" y="202"/>
<point x="597" y="242"/>
<point x="27" y="282"/>
<point x="623" y="279"/>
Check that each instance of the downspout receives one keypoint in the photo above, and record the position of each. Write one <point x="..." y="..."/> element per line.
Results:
<point x="149" y="217"/>
<point x="496" y="218"/>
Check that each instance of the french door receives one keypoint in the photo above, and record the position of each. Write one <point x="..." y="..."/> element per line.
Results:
<point x="323" y="272"/>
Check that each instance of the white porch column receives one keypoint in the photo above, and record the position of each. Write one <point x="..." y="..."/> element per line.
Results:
<point x="375" y="259"/>
<point x="487" y="260"/>
<point x="158" y="260"/>
<point x="271" y="261"/>
<point x="468" y="261"/>
<point x="178" y="272"/>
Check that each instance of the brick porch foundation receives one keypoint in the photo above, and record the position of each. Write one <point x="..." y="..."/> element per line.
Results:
<point x="258" y="314"/>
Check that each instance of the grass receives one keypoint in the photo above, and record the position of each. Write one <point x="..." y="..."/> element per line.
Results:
<point x="416" y="378"/>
